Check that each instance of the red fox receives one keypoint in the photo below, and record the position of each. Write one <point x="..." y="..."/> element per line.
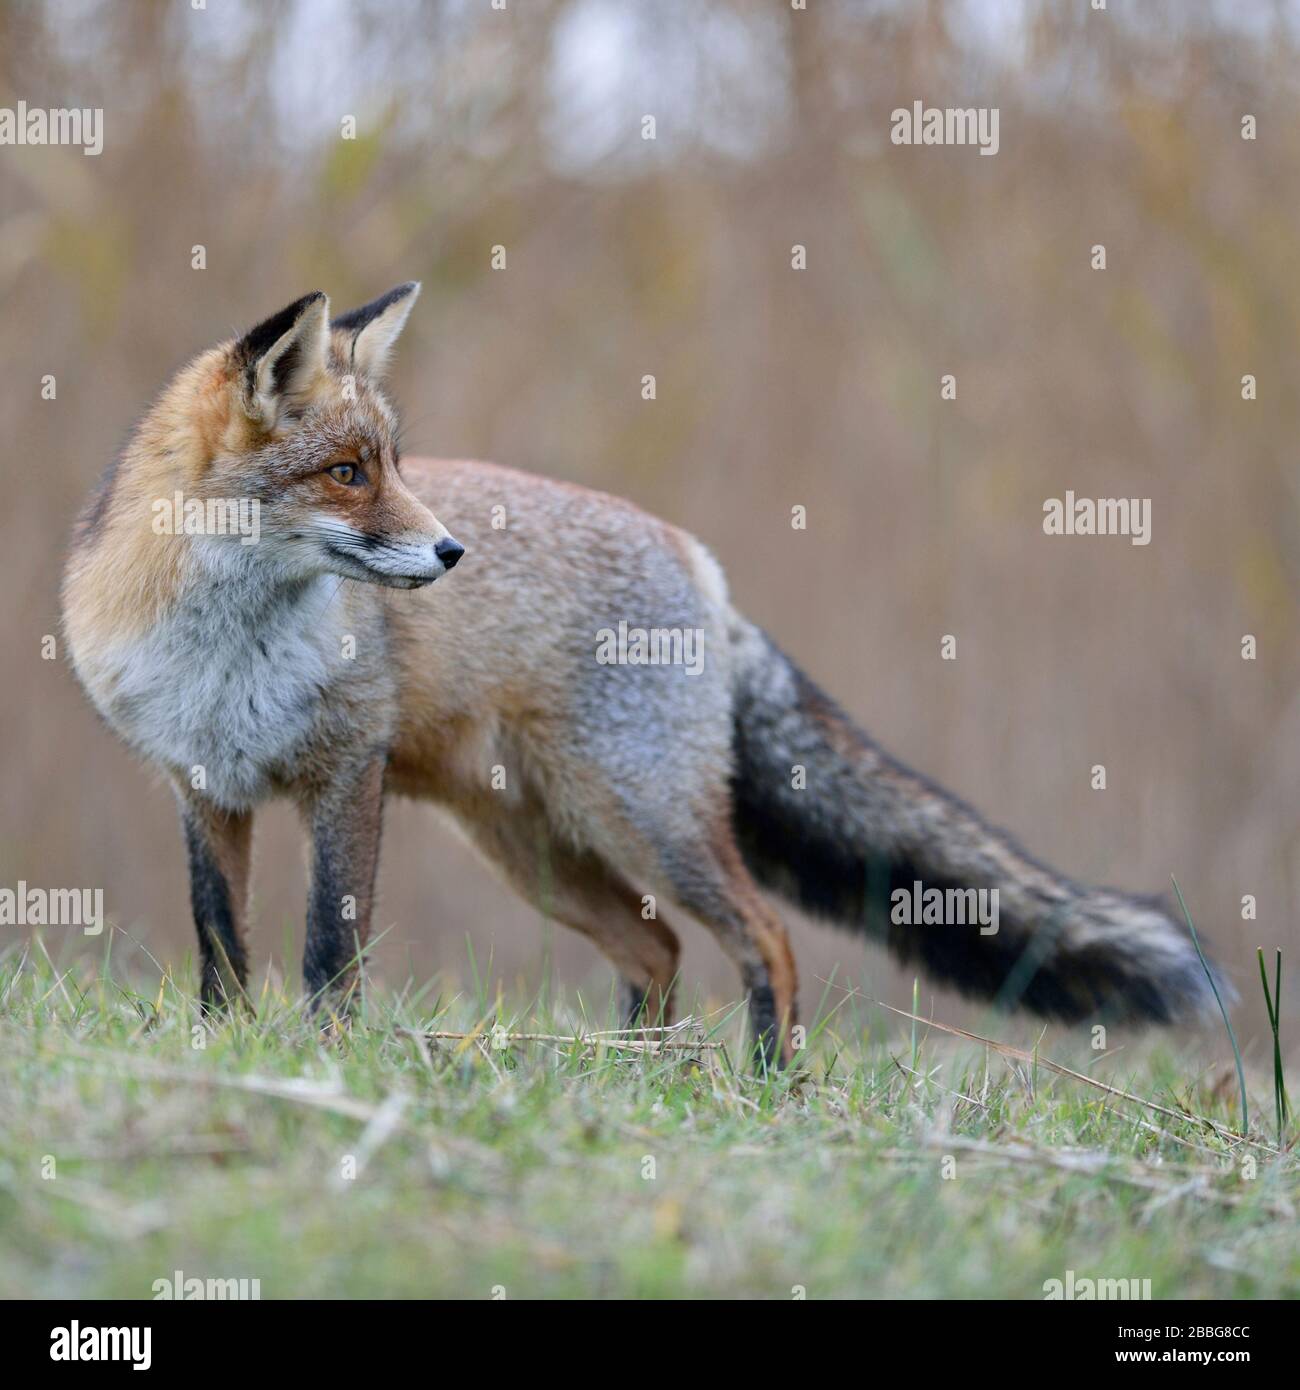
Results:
<point x="532" y="694"/>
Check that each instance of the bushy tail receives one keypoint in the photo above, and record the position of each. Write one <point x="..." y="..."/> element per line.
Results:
<point x="863" y="826"/>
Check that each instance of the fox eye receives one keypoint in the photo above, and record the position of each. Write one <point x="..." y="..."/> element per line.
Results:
<point x="345" y="473"/>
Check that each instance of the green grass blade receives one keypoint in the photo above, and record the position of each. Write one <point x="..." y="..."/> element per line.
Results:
<point x="1209" y="975"/>
<point x="1273" y="1007"/>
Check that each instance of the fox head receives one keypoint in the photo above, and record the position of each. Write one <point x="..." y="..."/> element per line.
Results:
<point x="292" y="416"/>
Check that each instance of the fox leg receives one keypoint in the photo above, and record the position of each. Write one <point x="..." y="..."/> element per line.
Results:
<point x="711" y="881"/>
<point x="594" y="899"/>
<point x="343" y="818"/>
<point x="645" y="951"/>
<point x="582" y="891"/>
<point x="644" y="1005"/>
<point x="218" y="845"/>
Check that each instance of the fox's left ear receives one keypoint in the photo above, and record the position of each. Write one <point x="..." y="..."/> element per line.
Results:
<point x="280" y="362"/>
<point x="374" y="327"/>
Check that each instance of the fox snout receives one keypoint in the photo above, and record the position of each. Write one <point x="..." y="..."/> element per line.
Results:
<point x="445" y="553"/>
<point x="403" y="561"/>
<point x="390" y="538"/>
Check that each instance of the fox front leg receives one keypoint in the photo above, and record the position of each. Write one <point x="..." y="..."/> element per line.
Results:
<point x="217" y="844"/>
<point x="343" y="819"/>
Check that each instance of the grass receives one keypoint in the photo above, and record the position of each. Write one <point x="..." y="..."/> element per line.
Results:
<point x="567" y="1169"/>
<point x="1273" y="1006"/>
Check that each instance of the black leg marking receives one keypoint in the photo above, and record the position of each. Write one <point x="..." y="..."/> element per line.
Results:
<point x="331" y="946"/>
<point x="224" y="967"/>
<point x="766" y="1026"/>
<point x="345" y="826"/>
<point x="634" y="1005"/>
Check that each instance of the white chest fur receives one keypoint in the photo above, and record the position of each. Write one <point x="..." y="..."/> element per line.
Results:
<point x="229" y="683"/>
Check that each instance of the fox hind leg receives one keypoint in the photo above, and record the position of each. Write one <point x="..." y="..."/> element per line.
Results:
<point x="584" y="892"/>
<point x="710" y="880"/>
<point x="635" y="1006"/>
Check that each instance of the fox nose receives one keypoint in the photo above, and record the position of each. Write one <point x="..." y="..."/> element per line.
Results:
<point x="448" y="551"/>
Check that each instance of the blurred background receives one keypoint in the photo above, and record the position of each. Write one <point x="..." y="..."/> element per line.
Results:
<point x="776" y="387"/>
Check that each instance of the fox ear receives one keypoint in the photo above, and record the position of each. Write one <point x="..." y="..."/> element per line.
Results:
<point x="374" y="327"/>
<point x="281" y="360"/>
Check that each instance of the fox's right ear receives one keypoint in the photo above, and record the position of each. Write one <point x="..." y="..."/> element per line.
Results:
<point x="281" y="361"/>
<point x="374" y="327"/>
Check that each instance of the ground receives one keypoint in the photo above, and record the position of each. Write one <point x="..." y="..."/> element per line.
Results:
<point x="895" y="1161"/>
